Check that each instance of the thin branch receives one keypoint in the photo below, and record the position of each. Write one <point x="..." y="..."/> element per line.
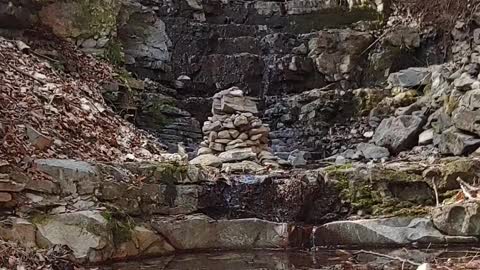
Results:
<point x="395" y="258"/>
<point x="26" y="74"/>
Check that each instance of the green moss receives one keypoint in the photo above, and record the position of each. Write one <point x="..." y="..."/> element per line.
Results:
<point x="120" y="225"/>
<point x="170" y="172"/>
<point x="98" y="17"/>
<point x="39" y="218"/>
<point x="114" y="53"/>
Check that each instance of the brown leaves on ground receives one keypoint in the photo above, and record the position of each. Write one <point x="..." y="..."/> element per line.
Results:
<point x="51" y="106"/>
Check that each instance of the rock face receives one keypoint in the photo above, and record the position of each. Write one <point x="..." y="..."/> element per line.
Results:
<point x="410" y="77"/>
<point x="459" y="219"/>
<point x="235" y="134"/>
<point x="383" y="232"/>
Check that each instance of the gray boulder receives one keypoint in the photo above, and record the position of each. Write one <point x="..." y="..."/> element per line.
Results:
<point x="462" y="219"/>
<point x="371" y="151"/>
<point x="398" y="133"/>
<point x="199" y="232"/>
<point x="467" y="114"/>
<point x="454" y="141"/>
<point x="410" y="77"/>
<point x="237" y="154"/>
<point x="383" y="232"/>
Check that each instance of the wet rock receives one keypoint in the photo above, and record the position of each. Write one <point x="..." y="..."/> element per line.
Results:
<point x="384" y="232"/>
<point x="371" y="151"/>
<point x="454" y="141"/>
<point x="168" y="199"/>
<point x="410" y="77"/>
<point x="458" y="219"/>
<point x="198" y="232"/>
<point x="86" y="233"/>
<point x="398" y="133"/>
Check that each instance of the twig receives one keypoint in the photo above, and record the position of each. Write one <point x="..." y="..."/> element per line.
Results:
<point x="437" y="201"/>
<point x="25" y="74"/>
<point x="45" y="57"/>
<point x="395" y="258"/>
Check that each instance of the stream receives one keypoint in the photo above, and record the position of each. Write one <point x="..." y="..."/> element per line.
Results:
<point x="284" y="260"/>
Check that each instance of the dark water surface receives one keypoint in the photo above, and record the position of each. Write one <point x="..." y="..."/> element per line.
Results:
<point x="273" y="260"/>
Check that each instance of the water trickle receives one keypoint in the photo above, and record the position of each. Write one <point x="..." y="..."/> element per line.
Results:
<point x="312" y="237"/>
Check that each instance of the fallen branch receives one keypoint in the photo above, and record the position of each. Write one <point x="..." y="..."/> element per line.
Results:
<point x="26" y="74"/>
<point x="388" y="257"/>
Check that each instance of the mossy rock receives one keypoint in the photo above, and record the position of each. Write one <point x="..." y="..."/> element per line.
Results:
<point x="379" y="190"/>
<point x="160" y="172"/>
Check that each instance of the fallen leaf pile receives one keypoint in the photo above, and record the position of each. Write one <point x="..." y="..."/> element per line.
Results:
<point x="52" y="112"/>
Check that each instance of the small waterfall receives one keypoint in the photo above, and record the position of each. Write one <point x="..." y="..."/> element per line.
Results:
<point x="312" y="240"/>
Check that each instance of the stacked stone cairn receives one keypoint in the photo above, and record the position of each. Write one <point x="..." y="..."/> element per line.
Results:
<point x="235" y="139"/>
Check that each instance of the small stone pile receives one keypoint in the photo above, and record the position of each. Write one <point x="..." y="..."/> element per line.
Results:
<point x="234" y="137"/>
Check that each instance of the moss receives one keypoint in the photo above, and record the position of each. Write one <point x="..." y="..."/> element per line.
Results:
<point x="39" y="219"/>
<point x="121" y="226"/>
<point x="170" y="172"/>
<point x="114" y="53"/>
<point x="98" y="17"/>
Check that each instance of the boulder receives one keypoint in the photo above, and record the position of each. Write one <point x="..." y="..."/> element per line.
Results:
<point x="458" y="219"/>
<point x="207" y="160"/>
<point x="142" y="242"/>
<point x="86" y="233"/>
<point x="18" y="230"/>
<point x="371" y="151"/>
<point x="454" y="141"/>
<point x="199" y="232"/>
<point x="410" y="77"/>
<point x="383" y="232"/>
<point x="467" y="114"/>
<point x="237" y="155"/>
<point x="398" y="133"/>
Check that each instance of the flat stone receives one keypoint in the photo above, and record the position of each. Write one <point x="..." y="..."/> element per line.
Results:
<point x="467" y="114"/>
<point x="37" y="139"/>
<point x="240" y="121"/>
<point x="243" y="136"/>
<point x="10" y="186"/>
<point x="223" y="141"/>
<point x="237" y="155"/>
<point x="224" y="134"/>
<point x="234" y="133"/>
<point x="204" y="151"/>
<point x="371" y="151"/>
<point x="5" y="197"/>
<point x="410" y="77"/>
<point x="209" y="126"/>
<point x="217" y="147"/>
<point x="464" y="82"/>
<point x="143" y="242"/>
<point x="207" y="160"/>
<point x="256" y="137"/>
<point x="261" y="130"/>
<point x="18" y="230"/>
<point x="199" y="232"/>
<point x="383" y="232"/>
<point x="456" y="142"/>
<point x="245" y="166"/>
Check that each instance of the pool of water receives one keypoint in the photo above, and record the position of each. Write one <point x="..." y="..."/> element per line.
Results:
<point x="274" y="260"/>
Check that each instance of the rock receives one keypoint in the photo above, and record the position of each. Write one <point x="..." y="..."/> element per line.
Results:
<point x="256" y="137"/>
<point x="37" y="139"/>
<point x="425" y="266"/>
<point x="410" y="77"/>
<point x="18" y="230"/>
<point x="223" y="141"/>
<point x="74" y="177"/>
<point x="224" y="134"/>
<point x="426" y="137"/>
<point x="398" y="133"/>
<point x="232" y="101"/>
<point x="199" y="232"/>
<point x="454" y="141"/>
<point x="464" y="82"/>
<point x="211" y="126"/>
<point x="86" y="233"/>
<point x="458" y="219"/>
<point x="207" y="160"/>
<point x="243" y="136"/>
<point x="245" y="166"/>
<point x="142" y="242"/>
<point x="467" y="113"/>
<point x="261" y="130"/>
<point x="368" y="134"/>
<point x="235" y="155"/>
<point x="383" y="232"/>
<point x="169" y="199"/>
<point x="5" y="197"/>
<point x="10" y="186"/>
<point x="297" y="158"/>
<point x="300" y="50"/>
<point x="217" y="147"/>
<point x="234" y="133"/>
<point x="240" y="121"/>
<point x="371" y="151"/>
<point x="204" y="151"/>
